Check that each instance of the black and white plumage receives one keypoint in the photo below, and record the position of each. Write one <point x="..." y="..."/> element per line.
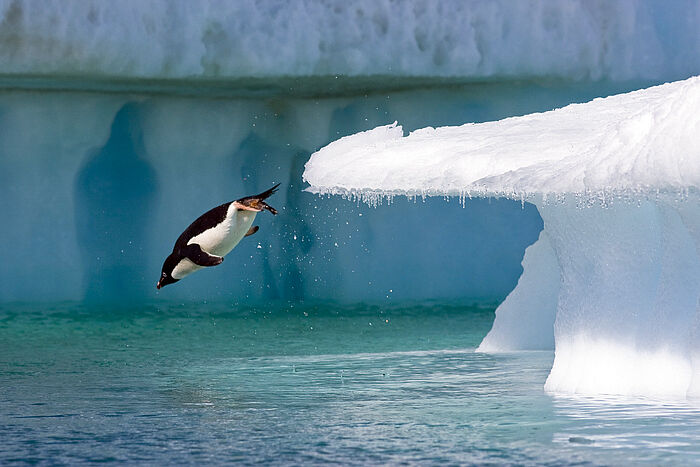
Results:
<point x="212" y="236"/>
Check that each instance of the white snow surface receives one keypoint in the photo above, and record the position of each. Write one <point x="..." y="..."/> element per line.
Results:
<point x="572" y="39"/>
<point x="642" y="141"/>
<point x="613" y="282"/>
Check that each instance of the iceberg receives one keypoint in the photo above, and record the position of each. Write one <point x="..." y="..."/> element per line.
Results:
<point x="613" y="282"/>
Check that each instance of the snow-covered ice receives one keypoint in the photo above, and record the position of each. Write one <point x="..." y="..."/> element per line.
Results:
<point x="214" y="39"/>
<point x="642" y="141"/>
<point x="614" y="279"/>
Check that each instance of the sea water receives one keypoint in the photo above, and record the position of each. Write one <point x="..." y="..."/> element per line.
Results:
<point x="290" y="383"/>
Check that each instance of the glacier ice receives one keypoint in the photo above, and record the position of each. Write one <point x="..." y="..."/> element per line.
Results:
<point x="532" y="304"/>
<point x="213" y="39"/>
<point x="628" y="309"/>
<point x="614" y="279"/>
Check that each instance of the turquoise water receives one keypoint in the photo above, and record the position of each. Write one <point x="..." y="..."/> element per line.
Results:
<point x="303" y="384"/>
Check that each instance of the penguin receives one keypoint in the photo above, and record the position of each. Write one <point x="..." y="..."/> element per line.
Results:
<point x="213" y="235"/>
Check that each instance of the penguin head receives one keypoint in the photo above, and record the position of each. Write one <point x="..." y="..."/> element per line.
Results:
<point x="166" y="274"/>
<point x="165" y="279"/>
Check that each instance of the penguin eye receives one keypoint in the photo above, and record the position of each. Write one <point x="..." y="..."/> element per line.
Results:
<point x="164" y="275"/>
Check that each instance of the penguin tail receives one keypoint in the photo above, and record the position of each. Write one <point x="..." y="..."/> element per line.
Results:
<point x="266" y="194"/>
<point x="257" y="203"/>
<point x="261" y="196"/>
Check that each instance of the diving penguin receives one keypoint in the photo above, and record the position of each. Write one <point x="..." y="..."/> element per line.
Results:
<point x="213" y="235"/>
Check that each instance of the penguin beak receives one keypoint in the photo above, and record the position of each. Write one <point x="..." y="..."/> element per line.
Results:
<point x="165" y="281"/>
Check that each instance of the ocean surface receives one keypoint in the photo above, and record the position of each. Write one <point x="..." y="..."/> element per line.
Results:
<point x="300" y="384"/>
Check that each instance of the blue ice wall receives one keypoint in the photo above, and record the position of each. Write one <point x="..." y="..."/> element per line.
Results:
<point x="121" y="122"/>
<point x="96" y="187"/>
<point x="114" y="198"/>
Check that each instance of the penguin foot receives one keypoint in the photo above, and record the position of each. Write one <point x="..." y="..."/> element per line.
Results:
<point x="268" y="207"/>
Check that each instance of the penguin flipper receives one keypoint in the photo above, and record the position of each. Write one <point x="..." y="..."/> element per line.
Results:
<point x="252" y="230"/>
<point x="194" y="253"/>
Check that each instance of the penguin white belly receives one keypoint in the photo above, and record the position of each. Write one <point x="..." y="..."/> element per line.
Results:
<point x="184" y="268"/>
<point x="218" y="240"/>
